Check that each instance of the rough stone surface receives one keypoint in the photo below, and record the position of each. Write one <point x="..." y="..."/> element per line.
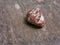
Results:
<point x="36" y="17"/>
<point x="15" y="31"/>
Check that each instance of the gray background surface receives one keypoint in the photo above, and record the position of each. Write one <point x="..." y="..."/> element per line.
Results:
<point x="14" y="30"/>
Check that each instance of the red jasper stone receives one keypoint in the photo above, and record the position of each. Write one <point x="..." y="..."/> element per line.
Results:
<point x="36" y="17"/>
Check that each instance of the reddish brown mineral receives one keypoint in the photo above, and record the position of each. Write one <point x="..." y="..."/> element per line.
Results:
<point x="36" y="17"/>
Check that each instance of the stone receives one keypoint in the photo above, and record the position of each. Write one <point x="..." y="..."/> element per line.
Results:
<point x="36" y="17"/>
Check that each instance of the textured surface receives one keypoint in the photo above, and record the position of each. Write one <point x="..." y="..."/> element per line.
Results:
<point x="14" y="30"/>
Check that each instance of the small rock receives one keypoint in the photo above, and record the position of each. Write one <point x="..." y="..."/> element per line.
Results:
<point x="17" y="6"/>
<point x="36" y="17"/>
